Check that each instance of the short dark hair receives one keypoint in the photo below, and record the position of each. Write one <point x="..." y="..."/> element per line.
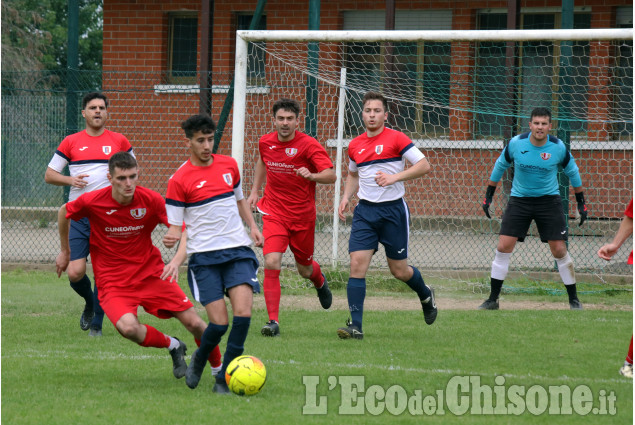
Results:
<point x="93" y="95"/>
<point x="372" y="95"/>
<point x="287" y="105"/>
<point x="203" y="123"/>
<point x="123" y="161"/>
<point x="540" y="112"/>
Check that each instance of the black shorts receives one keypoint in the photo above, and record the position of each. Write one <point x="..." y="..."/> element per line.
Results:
<point x="547" y="211"/>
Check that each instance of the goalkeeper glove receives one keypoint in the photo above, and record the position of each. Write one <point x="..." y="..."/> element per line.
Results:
<point x="489" y="194"/>
<point x="579" y="197"/>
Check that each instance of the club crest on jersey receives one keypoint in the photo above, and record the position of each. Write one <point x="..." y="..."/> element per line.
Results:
<point x="291" y="151"/>
<point x="379" y="149"/>
<point x="106" y="149"/>
<point x="138" y="213"/>
<point x="228" y="179"/>
<point x="545" y="155"/>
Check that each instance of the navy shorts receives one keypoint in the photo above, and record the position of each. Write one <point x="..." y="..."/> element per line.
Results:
<point x="546" y="210"/>
<point x="210" y="274"/>
<point x="387" y="223"/>
<point x="79" y="238"/>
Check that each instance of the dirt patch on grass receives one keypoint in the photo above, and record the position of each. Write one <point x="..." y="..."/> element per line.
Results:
<point x="385" y="303"/>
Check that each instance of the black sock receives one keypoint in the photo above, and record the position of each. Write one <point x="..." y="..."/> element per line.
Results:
<point x="83" y="289"/>
<point x="571" y="290"/>
<point x="496" y="285"/>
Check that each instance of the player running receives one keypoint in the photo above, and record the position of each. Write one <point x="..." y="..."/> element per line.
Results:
<point x="535" y="196"/>
<point x="376" y="172"/>
<point x="86" y="153"/>
<point x="206" y="194"/>
<point x="129" y="270"/>
<point x="292" y="163"/>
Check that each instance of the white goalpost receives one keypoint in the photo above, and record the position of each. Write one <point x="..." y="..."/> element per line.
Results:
<point x="460" y="96"/>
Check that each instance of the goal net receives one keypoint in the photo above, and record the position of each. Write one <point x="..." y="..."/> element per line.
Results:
<point x="460" y="96"/>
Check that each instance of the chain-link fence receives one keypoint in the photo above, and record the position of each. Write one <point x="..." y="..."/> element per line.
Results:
<point x="35" y="119"/>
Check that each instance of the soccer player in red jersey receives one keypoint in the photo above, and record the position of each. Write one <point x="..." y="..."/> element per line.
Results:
<point x="376" y="171"/>
<point x="86" y="154"/>
<point x="206" y="194"/>
<point x="292" y="163"/>
<point x="129" y="270"/>
<point x="606" y="253"/>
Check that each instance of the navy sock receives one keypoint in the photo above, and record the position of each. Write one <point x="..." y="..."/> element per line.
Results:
<point x="98" y="319"/>
<point x="496" y="285"/>
<point x="210" y="339"/>
<point x="235" y="343"/>
<point x="417" y="284"/>
<point x="83" y="289"/>
<point x="356" y="293"/>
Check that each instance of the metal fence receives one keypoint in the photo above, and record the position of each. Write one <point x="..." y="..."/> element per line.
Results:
<point x="34" y="121"/>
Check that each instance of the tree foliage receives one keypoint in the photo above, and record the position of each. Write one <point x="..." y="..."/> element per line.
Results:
<point x="35" y="35"/>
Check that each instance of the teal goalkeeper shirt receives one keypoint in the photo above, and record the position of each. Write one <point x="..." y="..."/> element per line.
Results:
<point x="536" y="168"/>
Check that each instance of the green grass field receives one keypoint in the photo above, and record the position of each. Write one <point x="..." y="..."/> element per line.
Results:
<point x="53" y="373"/>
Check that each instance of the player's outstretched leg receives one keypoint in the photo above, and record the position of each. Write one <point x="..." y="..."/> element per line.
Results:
<point x="129" y="328"/>
<point x="209" y="341"/>
<point x="356" y="293"/>
<point x="83" y="289"/>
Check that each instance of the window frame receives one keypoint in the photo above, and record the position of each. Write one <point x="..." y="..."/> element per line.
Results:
<point x="171" y="78"/>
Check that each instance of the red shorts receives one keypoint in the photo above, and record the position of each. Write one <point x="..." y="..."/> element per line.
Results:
<point x="158" y="297"/>
<point x="298" y="235"/>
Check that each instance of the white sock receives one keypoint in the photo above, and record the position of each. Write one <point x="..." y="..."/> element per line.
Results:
<point x="500" y="265"/>
<point x="565" y="267"/>
<point x="174" y="343"/>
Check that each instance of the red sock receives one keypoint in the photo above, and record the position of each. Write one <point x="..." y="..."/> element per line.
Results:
<point x="271" y="288"/>
<point x="629" y="357"/>
<point x="214" y="357"/>
<point x="316" y="276"/>
<point x="154" y="338"/>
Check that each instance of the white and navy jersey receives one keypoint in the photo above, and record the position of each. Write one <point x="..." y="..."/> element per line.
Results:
<point x="385" y="152"/>
<point x="536" y="167"/>
<point x="205" y="199"/>
<point x="85" y="154"/>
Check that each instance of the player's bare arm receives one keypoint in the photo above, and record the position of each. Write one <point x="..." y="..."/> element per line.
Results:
<point x="245" y="213"/>
<point x="351" y="186"/>
<point x="610" y="249"/>
<point x="64" y="257"/>
<point x="57" y="179"/>
<point x="172" y="236"/>
<point x="417" y="170"/>
<point x="171" y="269"/>
<point x="326" y="176"/>
<point x="260" y="175"/>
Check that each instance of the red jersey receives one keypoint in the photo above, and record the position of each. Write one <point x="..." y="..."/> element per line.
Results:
<point x="288" y="195"/>
<point x="629" y="213"/>
<point x="205" y="198"/>
<point x="121" y="247"/>
<point x="85" y="154"/>
<point x="384" y="152"/>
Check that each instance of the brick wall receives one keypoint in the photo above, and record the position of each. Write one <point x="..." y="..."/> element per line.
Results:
<point x="135" y="46"/>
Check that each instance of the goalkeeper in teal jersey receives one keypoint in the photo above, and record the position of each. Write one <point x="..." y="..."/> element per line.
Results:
<point x="535" y="195"/>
